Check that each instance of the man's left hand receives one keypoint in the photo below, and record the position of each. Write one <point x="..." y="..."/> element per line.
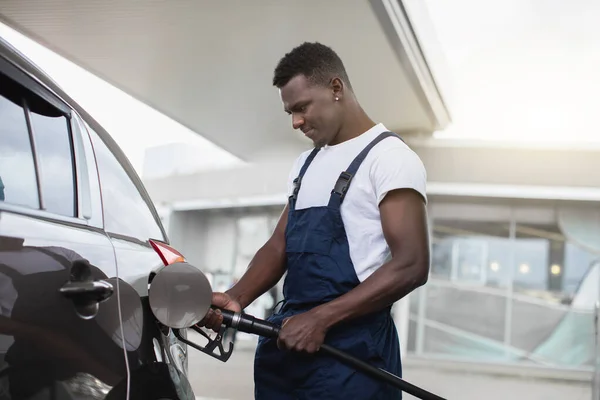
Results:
<point x="303" y="332"/>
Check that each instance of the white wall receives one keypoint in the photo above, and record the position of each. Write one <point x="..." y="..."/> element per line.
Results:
<point x="186" y="235"/>
<point x="446" y="164"/>
<point x="221" y="240"/>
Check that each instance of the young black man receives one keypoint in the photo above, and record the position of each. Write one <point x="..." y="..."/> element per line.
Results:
<point x="353" y="240"/>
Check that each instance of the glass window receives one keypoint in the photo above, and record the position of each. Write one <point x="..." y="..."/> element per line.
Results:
<point x="540" y="252"/>
<point x="55" y="161"/>
<point x="470" y="272"/>
<point x="84" y="192"/>
<point x="125" y="211"/>
<point x="578" y="263"/>
<point x="474" y="252"/>
<point x="17" y="170"/>
<point x="548" y="269"/>
<point x="519" y="288"/>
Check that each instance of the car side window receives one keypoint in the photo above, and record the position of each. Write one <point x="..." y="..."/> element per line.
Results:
<point x="18" y="183"/>
<point x="125" y="211"/>
<point x="54" y="150"/>
<point x="36" y="158"/>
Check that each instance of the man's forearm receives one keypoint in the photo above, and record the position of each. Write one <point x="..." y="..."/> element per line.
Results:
<point x="385" y="286"/>
<point x="265" y="270"/>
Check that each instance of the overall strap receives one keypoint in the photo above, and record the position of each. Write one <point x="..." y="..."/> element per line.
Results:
<point x="343" y="183"/>
<point x="298" y="180"/>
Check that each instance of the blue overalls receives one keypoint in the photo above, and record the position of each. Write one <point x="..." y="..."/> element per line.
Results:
<point x="319" y="269"/>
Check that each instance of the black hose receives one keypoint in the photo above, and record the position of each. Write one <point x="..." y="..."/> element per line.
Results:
<point x="249" y="324"/>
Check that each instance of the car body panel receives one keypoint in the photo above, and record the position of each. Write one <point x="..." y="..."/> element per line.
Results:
<point x="47" y="349"/>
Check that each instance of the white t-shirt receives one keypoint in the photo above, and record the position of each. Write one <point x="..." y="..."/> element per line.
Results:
<point x="390" y="164"/>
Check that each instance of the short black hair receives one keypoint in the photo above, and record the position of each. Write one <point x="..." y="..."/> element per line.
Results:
<point x="317" y="62"/>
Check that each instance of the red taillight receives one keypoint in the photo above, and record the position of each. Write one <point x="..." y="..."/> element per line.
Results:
<point x="167" y="254"/>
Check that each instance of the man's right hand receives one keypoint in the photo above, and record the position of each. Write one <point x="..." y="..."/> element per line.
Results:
<point x="213" y="318"/>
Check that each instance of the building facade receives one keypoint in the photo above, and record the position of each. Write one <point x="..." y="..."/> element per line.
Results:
<point x="515" y="272"/>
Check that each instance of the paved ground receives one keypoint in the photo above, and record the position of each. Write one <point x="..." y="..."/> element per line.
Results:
<point x="213" y="379"/>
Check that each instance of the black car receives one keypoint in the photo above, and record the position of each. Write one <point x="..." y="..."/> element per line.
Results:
<point x="79" y="241"/>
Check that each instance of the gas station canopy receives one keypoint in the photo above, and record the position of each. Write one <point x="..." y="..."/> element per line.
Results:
<point x="208" y="64"/>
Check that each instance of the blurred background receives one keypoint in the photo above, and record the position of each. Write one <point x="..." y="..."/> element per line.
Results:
<point x="498" y="98"/>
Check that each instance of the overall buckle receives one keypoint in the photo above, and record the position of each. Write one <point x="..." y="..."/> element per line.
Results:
<point x="297" y="182"/>
<point x="342" y="184"/>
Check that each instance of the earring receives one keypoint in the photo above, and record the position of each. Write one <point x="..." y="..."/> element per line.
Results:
<point x="337" y="98"/>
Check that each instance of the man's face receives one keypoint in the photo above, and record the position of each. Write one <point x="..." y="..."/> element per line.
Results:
<point x="313" y="108"/>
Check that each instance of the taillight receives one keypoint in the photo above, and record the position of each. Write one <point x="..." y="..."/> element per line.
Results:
<point x="167" y="254"/>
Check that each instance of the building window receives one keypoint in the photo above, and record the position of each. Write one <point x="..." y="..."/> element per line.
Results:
<point x="507" y="285"/>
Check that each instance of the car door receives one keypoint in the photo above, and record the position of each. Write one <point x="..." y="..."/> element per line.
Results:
<point x="59" y="316"/>
<point x="157" y="360"/>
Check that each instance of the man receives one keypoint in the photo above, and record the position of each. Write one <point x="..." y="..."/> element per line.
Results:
<point x="353" y="240"/>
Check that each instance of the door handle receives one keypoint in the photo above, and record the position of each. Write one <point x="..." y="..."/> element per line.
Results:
<point x="85" y="292"/>
<point x="97" y="291"/>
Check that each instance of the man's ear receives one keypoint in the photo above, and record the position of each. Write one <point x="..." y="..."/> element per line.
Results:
<point x="337" y="87"/>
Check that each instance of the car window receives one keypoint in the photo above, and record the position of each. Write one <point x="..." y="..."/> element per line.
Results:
<point x="125" y="211"/>
<point x="82" y="145"/>
<point x="36" y="157"/>
<point x="18" y="183"/>
<point x="55" y="160"/>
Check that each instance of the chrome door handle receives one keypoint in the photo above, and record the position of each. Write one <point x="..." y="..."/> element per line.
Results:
<point x="85" y="292"/>
<point x="97" y="291"/>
